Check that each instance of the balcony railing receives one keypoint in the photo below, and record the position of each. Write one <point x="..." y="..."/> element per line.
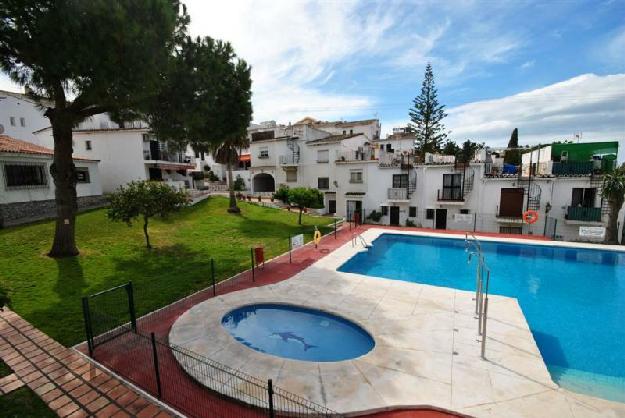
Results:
<point x="573" y="168"/>
<point x="578" y="213"/>
<point x="450" y="195"/>
<point x="395" y="193"/>
<point x="355" y="155"/>
<point x="173" y="157"/>
<point x="289" y="159"/>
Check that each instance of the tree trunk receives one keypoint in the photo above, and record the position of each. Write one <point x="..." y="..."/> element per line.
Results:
<point x="611" y="236"/>
<point x="233" y="208"/>
<point x="63" y="172"/>
<point x="301" y="209"/>
<point x="145" y="232"/>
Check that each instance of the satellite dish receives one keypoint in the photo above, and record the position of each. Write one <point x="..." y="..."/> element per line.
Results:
<point x="1" y="129"/>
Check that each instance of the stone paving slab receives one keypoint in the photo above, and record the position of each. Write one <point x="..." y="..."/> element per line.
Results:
<point x="427" y="352"/>
<point x="66" y="381"/>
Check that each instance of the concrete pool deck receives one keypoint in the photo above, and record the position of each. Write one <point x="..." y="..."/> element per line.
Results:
<point x="426" y="353"/>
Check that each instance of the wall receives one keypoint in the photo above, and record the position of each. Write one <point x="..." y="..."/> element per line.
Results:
<point x="120" y="153"/>
<point x="93" y="188"/>
<point x="17" y="107"/>
<point x="19" y="213"/>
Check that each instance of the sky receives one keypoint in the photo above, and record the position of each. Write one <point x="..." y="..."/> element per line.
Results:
<point x="551" y="68"/>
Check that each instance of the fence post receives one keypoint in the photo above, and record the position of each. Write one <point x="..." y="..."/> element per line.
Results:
<point x="290" y="248"/>
<point x="131" y="306"/>
<point x="156" y="370"/>
<point x="334" y="228"/>
<point x="555" y="224"/>
<point x="213" y="275"/>
<point x="253" y="272"/>
<point x="474" y="221"/>
<point x="270" y="394"/>
<point x="87" y="317"/>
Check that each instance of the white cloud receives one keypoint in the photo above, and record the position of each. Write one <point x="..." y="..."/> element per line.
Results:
<point x="591" y="104"/>
<point x="528" y="64"/>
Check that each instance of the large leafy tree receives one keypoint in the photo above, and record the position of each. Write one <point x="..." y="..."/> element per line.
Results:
<point x="613" y="189"/>
<point x="513" y="153"/>
<point x="205" y="100"/>
<point x="426" y="116"/>
<point x="80" y="58"/>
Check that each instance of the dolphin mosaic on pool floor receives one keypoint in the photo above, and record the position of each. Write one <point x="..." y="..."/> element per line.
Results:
<point x="426" y="348"/>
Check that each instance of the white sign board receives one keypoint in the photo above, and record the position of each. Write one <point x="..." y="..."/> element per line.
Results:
<point x="594" y="232"/>
<point x="463" y="217"/>
<point x="297" y="241"/>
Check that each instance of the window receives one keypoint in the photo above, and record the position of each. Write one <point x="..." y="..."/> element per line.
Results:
<point x="412" y="212"/>
<point x="261" y="136"/>
<point x="197" y="154"/>
<point x="202" y="155"/>
<point x="88" y="145"/>
<point x="400" y="181"/>
<point x="355" y="176"/>
<point x="12" y="120"/>
<point x="351" y="132"/>
<point x="291" y="176"/>
<point x="464" y="211"/>
<point x="384" y="210"/>
<point x="583" y="197"/>
<point x="82" y="175"/>
<point x="344" y="132"/>
<point x="389" y="147"/>
<point x="429" y="214"/>
<point x="25" y="175"/>
<point x="23" y="122"/>
<point x="323" y="156"/>
<point x="452" y="187"/>
<point x="323" y="183"/>
<point x="263" y="152"/>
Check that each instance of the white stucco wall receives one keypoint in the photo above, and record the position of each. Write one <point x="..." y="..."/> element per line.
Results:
<point x="29" y="194"/>
<point x="17" y="107"/>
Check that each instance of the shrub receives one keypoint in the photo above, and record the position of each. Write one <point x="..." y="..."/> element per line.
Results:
<point x="375" y="216"/>
<point x="410" y="222"/>
<point x="4" y="298"/>
<point x="239" y="184"/>
<point x="282" y="194"/>
<point x="211" y="176"/>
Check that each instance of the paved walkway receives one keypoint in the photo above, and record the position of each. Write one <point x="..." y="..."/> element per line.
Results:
<point x="69" y="384"/>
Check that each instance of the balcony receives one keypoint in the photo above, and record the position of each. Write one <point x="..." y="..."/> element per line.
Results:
<point x="289" y="159"/>
<point x="396" y="193"/>
<point x="578" y="213"/>
<point x="163" y="155"/>
<point x="450" y="195"/>
<point x="355" y="155"/>
<point x="573" y="168"/>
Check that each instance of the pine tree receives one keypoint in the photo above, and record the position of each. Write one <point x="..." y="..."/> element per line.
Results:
<point x="426" y="116"/>
<point x="513" y="155"/>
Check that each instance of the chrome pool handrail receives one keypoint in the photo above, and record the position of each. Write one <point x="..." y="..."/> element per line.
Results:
<point x="482" y="282"/>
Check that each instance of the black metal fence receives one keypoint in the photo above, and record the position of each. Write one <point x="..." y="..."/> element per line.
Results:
<point x="190" y="383"/>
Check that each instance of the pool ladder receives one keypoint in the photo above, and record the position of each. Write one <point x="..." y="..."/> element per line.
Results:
<point x="482" y="281"/>
<point x="358" y="237"/>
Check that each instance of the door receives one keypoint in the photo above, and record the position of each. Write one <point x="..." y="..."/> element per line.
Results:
<point x="354" y="210"/>
<point x="394" y="215"/>
<point x="331" y="206"/>
<point x="155" y="174"/>
<point x="511" y="202"/>
<point x="155" y="150"/>
<point x="441" y="218"/>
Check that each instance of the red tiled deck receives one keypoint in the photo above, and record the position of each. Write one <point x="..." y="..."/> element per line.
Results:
<point x="131" y="355"/>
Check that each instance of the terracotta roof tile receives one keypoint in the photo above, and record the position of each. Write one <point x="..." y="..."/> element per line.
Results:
<point x="11" y="145"/>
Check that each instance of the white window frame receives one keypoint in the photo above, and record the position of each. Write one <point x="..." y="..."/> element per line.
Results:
<point x="291" y="173"/>
<point x="23" y="122"/>
<point x="323" y="156"/>
<point x="88" y="145"/>
<point x="12" y="120"/>
<point x="356" y="177"/>
<point x="263" y="152"/>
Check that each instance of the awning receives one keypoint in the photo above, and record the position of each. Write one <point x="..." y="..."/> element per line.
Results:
<point x="245" y="158"/>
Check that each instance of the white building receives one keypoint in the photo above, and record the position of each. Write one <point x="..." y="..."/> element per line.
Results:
<point x="20" y="116"/>
<point x="27" y="189"/>
<point x="128" y="153"/>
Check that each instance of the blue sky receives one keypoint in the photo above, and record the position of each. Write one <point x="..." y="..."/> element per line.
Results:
<point x="550" y="68"/>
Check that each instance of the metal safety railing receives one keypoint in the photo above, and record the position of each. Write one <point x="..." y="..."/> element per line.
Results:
<point x="359" y="238"/>
<point x="482" y="281"/>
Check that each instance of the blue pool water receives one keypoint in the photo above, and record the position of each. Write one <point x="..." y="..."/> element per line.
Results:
<point x="573" y="299"/>
<point x="297" y="333"/>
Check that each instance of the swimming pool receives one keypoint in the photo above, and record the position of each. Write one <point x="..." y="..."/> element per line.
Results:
<point x="573" y="299"/>
<point x="297" y="333"/>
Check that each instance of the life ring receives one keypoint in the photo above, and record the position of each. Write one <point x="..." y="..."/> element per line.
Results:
<point x="317" y="237"/>
<point x="530" y="217"/>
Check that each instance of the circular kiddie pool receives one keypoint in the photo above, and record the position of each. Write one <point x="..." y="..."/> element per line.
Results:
<point x="298" y="333"/>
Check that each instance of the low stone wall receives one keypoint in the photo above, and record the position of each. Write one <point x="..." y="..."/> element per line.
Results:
<point x="25" y="212"/>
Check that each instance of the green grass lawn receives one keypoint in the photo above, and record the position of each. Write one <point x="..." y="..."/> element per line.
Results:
<point x="47" y="292"/>
<point x="23" y="402"/>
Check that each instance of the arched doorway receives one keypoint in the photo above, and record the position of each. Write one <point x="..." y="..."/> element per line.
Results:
<point x="264" y="182"/>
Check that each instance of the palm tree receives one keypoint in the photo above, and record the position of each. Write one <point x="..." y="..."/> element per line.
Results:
<point x="613" y="189"/>
<point x="227" y="152"/>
